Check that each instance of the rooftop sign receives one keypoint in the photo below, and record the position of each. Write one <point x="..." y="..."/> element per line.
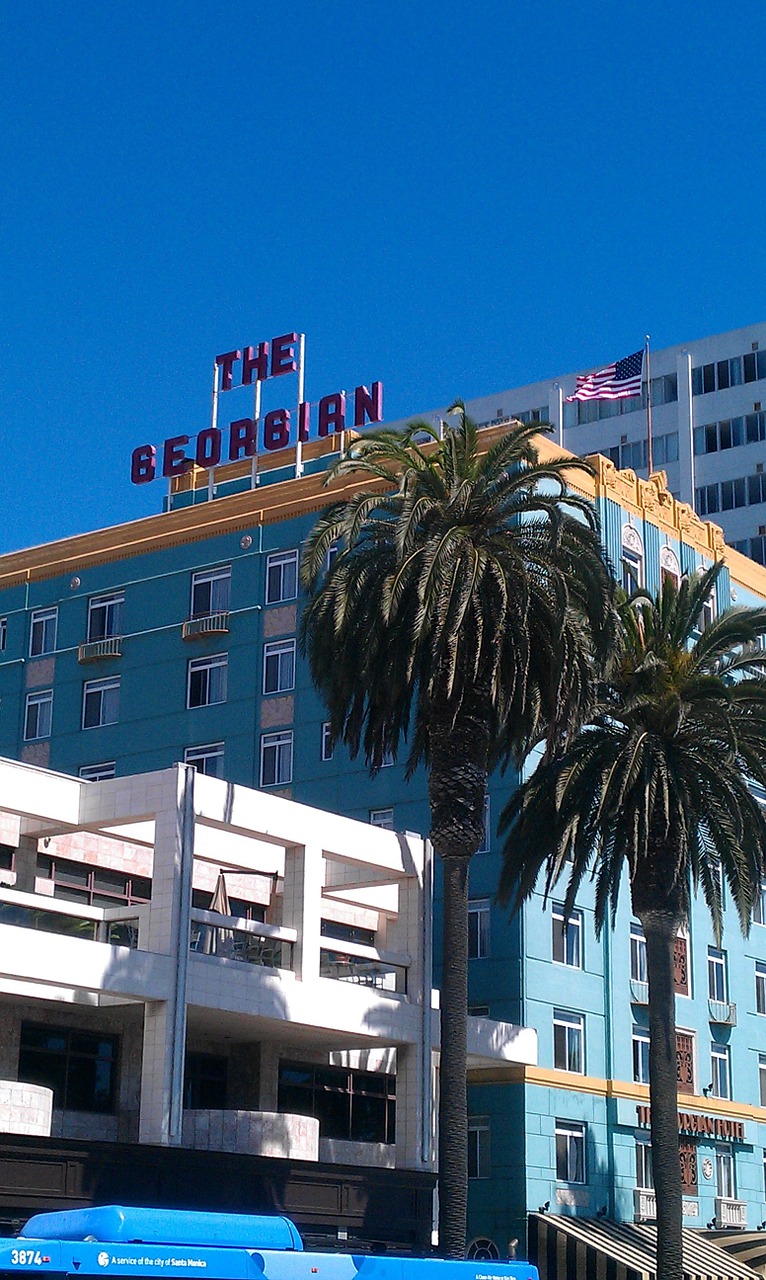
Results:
<point x="275" y="430"/>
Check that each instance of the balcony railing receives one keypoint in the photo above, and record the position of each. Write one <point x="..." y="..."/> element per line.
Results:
<point x="211" y="624"/>
<point x="249" y="941"/>
<point x="730" y="1213"/>
<point x="365" y="966"/>
<point x="94" y="650"/>
<point x="723" y="1012"/>
<point x="644" y="1204"/>
<point x="639" y="991"/>
<point x="116" y="925"/>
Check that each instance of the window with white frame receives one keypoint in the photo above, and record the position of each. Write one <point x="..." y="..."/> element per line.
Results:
<point x="760" y="987"/>
<point x="669" y="566"/>
<point x="38" y="715"/>
<point x="570" y="1151"/>
<point x="717" y="985"/>
<point x="388" y="759"/>
<point x="644" y="1171"/>
<point x="478" y="928"/>
<point x="100" y="702"/>
<point x="638" y="971"/>
<point x="641" y="1055"/>
<point x="632" y="559"/>
<point x="762" y="1078"/>
<point x="206" y="680"/>
<point x="42" y="632"/>
<point x="568" y="1041"/>
<point x="3" y="634"/>
<point x="327" y="744"/>
<point x="279" y="666"/>
<point x="98" y="772"/>
<point x="720" y="1071"/>
<point x="567" y="937"/>
<point x="759" y="906"/>
<point x="211" y="591"/>
<point x="207" y="759"/>
<point x="724" y="1172"/>
<point x="478" y="1147"/>
<point x="276" y="758"/>
<point x="105" y="616"/>
<point x="382" y="818"/>
<point x="281" y="576"/>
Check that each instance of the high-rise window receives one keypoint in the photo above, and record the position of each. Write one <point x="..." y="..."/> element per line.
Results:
<point x="38" y="715"/>
<point x="279" y="666"/>
<point x="644" y="1171"/>
<point x="716" y="974"/>
<point x="211" y="591"/>
<point x="724" y="1171"/>
<point x="105" y="616"/>
<point x="326" y="742"/>
<point x="206" y="759"/>
<point x="100" y="702"/>
<point x="478" y="928"/>
<point x="638" y="970"/>
<point x="42" y="633"/>
<point x="760" y="987"/>
<point x="281" y="576"/>
<point x="720" y="1071"/>
<point x="98" y="772"/>
<point x="382" y="818"/>
<point x="567" y="937"/>
<point x="207" y="678"/>
<point x="570" y="1151"/>
<point x="478" y="1147"/>
<point x="277" y="758"/>
<point x="641" y="1055"/>
<point x="568" y="1041"/>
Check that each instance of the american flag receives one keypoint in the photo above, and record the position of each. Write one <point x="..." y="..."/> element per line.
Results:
<point x="615" y="382"/>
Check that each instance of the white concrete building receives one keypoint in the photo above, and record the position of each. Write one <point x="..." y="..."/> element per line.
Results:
<point x="708" y="426"/>
<point x="288" y="1022"/>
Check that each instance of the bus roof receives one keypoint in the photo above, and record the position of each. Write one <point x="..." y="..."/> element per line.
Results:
<point x="115" y="1224"/>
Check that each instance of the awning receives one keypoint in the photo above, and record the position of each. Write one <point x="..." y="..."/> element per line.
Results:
<point x="595" y="1249"/>
<point x="745" y="1246"/>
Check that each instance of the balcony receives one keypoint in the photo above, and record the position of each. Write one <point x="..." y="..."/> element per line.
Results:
<point x="730" y="1213"/>
<point x="364" y="966"/>
<point x="644" y="1204"/>
<point x="231" y="938"/>
<point x="94" y="650"/>
<point x="639" y="992"/>
<point x="722" y="1012"/>
<point x="210" y="624"/>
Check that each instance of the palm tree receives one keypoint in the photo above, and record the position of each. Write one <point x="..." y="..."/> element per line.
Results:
<point x="457" y="616"/>
<point x="658" y="784"/>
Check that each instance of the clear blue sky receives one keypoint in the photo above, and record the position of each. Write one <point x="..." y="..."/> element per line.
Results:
<point x="451" y="197"/>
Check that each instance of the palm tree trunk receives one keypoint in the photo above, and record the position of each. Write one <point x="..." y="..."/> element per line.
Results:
<point x="453" y="1105"/>
<point x="660" y="928"/>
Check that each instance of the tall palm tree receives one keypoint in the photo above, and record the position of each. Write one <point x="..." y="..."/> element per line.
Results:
<point x="658" y="784"/>
<point x="457" y="616"/>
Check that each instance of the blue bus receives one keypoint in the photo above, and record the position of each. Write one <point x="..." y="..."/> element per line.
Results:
<point x="177" y="1243"/>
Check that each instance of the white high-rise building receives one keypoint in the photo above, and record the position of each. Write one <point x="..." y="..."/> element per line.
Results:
<point x="708" y="426"/>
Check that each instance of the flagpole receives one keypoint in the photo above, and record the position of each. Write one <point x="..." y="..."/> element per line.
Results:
<point x="649" y="457"/>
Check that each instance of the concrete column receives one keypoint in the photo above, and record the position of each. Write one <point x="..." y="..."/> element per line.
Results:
<point x="164" y="1047"/>
<point x="269" y="1078"/>
<point x="302" y="906"/>
<point x="26" y="864"/>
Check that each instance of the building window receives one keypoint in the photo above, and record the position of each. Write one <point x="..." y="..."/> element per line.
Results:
<point x="568" y="1041"/>
<point x="387" y="760"/>
<point x="567" y="937"/>
<point x="326" y="742"/>
<point x="759" y="906"/>
<point x="79" y="1066"/>
<point x="281" y="576"/>
<point x="100" y="702"/>
<point x="98" y="772"/>
<point x="3" y="634"/>
<point x="276" y="758"/>
<point x="105" y="616"/>
<point x="355" y="1106"/>
<point x="640" y="1055"/>
<point x="382" y="818"/>
<point x="720" y="1071"/>
<point x="478" y="1147"/>
<point x="760" y="987"/>
<point x="42" y="634"/>
<point x="205" y="1078"/>
<point x="632" y="559"/>
<point x="685" y="1061"/>
<point x="38" y="715"/>
<point x="570" y="1151"/>
<point x="207" y="759"/>
<point x="478" y="928"/>
<point x="94" y="886"/>
<point x="211" y="592"/>
<point x="644" y="1171"/>
<point x="638" y="970"/>
<point x="724" y="1172"/>
<point x="681" y="965"/>
<point x="670" y="570"/>
<point x="279" y="666"/>
<point x="206" y="683"/>
<point x="717" y="986"/>
<point x="487" y="835"/>
<point x="762" y="1078"/>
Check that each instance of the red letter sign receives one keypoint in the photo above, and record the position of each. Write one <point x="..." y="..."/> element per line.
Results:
<point x="243" y="439"/>
<point x="332" y="413"/>
<point x="368" y="405"/>
<point x="226" y="362"/>
<point x="175" y="461"/>
<point x="143" y="467"/>
<point x="282" y="354"/>
<point x="276" y="429"/>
